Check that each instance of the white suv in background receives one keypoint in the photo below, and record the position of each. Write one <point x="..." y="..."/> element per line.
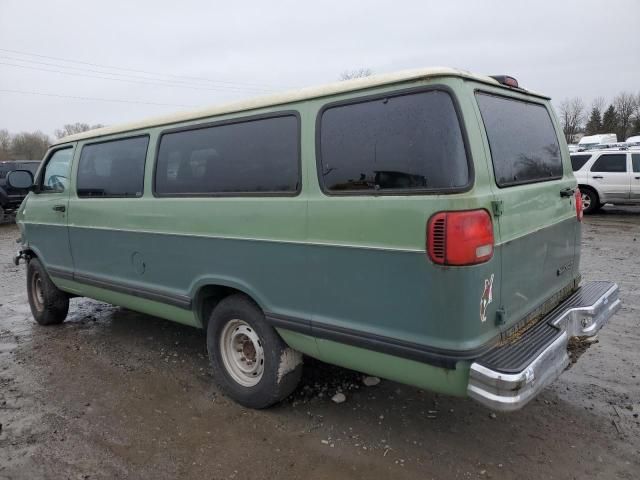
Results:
<point x="607" y="176"/>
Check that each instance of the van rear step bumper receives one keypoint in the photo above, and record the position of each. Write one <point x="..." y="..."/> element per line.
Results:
<point x="513" y="373"/>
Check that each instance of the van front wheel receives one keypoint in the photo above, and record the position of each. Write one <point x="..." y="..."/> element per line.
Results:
<point x="251" y="363"/>
<point x="49" y="305"/>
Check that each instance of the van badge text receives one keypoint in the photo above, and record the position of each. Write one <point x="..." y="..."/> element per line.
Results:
<point x="565" y="267"/>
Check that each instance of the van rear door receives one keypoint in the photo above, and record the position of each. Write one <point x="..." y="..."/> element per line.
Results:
<point x="539" y="233"/>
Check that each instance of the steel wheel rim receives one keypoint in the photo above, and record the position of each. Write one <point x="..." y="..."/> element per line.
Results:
<point x="242" y="353"/>
<point x="36" y="291"/>
<point x="586" y="201"/>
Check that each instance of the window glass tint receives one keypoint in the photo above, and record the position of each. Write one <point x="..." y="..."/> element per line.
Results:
<point x="112" y="169"/>
<point x="578" y="161"/>
<point x="611" y="163"/>
<point x="56" y="173"/>
<point x="409" y="142"/>
<point x="524" y="145"/>
<point x="257" y="156"/>
<point x="635" y="159"/>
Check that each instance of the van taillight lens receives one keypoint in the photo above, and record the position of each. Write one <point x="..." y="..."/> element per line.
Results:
<point x="578" y="198"/>
<point x="460" y="238"/>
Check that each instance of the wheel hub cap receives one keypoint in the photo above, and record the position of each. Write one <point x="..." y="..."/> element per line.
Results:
<point x="242" y="353"/>
<point x="37" y="293"/>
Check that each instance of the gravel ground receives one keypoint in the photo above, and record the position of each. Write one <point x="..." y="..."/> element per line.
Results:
<point x="115" y="394"/>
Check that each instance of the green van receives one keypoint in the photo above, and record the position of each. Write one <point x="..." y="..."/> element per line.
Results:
<point x="421" y="226"/>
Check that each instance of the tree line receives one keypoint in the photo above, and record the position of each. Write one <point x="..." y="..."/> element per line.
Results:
<point x="621" y="116"/>
<point x="33" y="145"/>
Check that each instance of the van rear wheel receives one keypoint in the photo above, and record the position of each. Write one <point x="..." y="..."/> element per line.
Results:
<point x="49" y="305"/>
<point x="251" y="363"/>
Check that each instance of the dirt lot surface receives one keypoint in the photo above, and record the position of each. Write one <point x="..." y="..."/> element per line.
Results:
<point x="115" y="394"/>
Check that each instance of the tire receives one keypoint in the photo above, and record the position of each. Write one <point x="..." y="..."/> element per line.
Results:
<point x="251" y="363"/>
<point x="49" y="305"/>
<point x="590" y="200"/>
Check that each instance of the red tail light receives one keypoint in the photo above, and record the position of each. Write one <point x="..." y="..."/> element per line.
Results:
<point x="578" y="198"/>
<point x="460" y="238"/>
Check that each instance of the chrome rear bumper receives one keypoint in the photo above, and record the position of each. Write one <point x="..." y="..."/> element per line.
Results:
<point x="509" y="376"/>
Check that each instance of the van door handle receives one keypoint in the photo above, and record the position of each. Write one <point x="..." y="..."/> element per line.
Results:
<point x="567" y="192"/>
<point x="59" y="208"/>
<point x="637" y="178"/>
<point x="597" y="176"/>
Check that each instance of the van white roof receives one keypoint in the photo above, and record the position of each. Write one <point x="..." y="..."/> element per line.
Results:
<point x="287" y="97"/>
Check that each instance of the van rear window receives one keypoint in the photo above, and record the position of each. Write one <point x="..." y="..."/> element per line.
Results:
<point x="411" y="142"/>
<point x="523" y="141"/>
<point x="254" y="156"/>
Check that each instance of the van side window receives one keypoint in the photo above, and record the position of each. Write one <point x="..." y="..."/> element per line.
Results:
<point x="112" y="169"/>
<point x="523" y="141"/>
<point x="411" y="142"/>
<point x="56" y="173"/>
<point x="252" y="156"/>
<point x="635" y="159"/>
<point x="611" y="163"/>
<point x="578" y="161"/>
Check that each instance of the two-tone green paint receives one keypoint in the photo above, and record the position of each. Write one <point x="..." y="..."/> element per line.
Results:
<point x="354" y="262"/>
<point x="150" y="307"/>
<point x="410" y="372"/>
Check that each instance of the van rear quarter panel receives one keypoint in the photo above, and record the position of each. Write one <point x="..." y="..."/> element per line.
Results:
<point x="374" y="275"/>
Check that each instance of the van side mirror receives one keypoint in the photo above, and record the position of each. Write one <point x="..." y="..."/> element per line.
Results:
<point x="22" y="179"/>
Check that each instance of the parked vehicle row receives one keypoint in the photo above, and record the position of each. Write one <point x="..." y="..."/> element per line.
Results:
<point x="422" y="226"/>
<point x="607" y="176"/>
<point x="11" y="198"/>
<point x="604" y="141"/>
<point x="592" y="141"/>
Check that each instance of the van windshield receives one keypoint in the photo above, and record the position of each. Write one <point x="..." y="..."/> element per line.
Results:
<point x="523" y="141"/>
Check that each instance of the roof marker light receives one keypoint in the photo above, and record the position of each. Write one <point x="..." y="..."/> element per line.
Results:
<point x="506" y="80"/>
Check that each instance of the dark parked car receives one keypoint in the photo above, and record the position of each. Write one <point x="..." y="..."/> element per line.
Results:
<point x="11" y="198"/>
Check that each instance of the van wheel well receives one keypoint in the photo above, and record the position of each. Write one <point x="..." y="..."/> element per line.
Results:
<point x="208" y="298"/>
<point x="29" y="254"/>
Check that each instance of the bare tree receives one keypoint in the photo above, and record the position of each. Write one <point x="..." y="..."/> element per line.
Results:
<point x="598" y="103"/>
<point x="635" y="126"/>
<point x="357" y="73"/>
<point x="29" y="146"/>
<point x="5" y="144"/>
<point x="73" y="128"/>
<point x="625" y="105"/>
<point x="572" y="117"/>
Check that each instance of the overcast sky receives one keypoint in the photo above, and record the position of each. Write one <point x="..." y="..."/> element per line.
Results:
<point x="197" y="53"/>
